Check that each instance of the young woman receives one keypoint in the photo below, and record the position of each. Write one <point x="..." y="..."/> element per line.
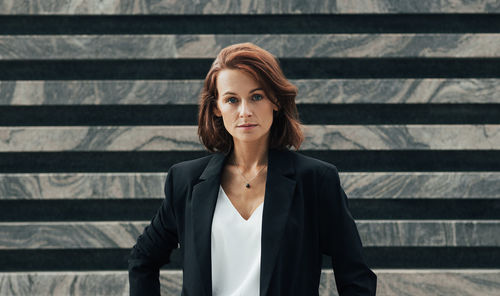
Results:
<point x="253" y="217"/>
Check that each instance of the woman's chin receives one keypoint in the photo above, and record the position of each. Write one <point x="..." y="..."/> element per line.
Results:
<point x="249" y="138"/>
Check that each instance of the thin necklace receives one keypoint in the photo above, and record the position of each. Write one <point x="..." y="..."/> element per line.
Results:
<point x="247" y="185"/>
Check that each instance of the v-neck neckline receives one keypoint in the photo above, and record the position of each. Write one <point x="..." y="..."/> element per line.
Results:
<point x="236" y="210"/>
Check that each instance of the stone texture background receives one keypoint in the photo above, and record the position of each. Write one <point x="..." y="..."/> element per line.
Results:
<point x="79" y="225"/>
<point x="244" y="7"/>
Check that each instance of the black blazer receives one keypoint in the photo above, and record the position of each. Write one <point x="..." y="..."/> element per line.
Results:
<point x="305" y="215"/>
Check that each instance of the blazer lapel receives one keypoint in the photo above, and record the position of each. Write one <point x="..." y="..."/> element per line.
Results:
<point x="279" y="190"/>
<point x="204" y="199"/>
<point x="280" y="187"/>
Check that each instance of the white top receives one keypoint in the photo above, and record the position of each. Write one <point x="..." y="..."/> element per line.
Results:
<point x="235" y="249"/>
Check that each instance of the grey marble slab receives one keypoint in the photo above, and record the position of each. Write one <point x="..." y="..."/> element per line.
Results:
<point x="402" y="137"/>
<point x="105" y="283"/>
<point x="437" y="282"/>
<point x="47" y="47"/>
<point x="179" y="7"/>
<point x="311" y="91"/>
<point x="101" y="92"/>
<point x="429" y="233"/>
<point x="372" y="185"/>
<point x="48" y="186"/>
<point x="318" y="137"/>
<point x="380" y="233"/>
<point x="78" y="283"/>
<point x="118" y="138"/>
<point x="402" y="282"/>
<point x="398" y="91"/>
<point x="69" y="235"/>
<point x="404" y="185"/>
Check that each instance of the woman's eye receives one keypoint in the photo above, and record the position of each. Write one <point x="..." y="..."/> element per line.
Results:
<point x="232" y="100"/>
<point x="257" y="97"/>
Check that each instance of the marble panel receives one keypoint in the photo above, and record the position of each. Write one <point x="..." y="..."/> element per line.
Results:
<point x="43" y="7"/>
<point x="69" y="235"/>
<point x="107" y="283"/>
<point x="391" y="45"/>
<point x="429" y="233"/>
<point x="402" y="137"/>
<point x="115" y="138"/>
<point x="47" y="47"/>
<point x="379" y="233"/>
<point x="398" y="91"/>
<point x="179" y="7"/>
<point x="101" y="283"/>
<point x="311" y="91"/>
<point x="48" y="186"/>
<point x="318" y="137"/>
<point x="357" y="185"/>
<point x="100" y="92"/>
<point x="407" y="282"/>
<point x="402" y="185"/>
<point x="439" y="282"/>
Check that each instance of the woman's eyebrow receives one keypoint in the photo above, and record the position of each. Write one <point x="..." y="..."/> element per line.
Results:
<point x="232" y="93"/>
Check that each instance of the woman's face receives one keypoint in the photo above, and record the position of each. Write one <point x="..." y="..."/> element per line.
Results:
<point x="246" y="110"/>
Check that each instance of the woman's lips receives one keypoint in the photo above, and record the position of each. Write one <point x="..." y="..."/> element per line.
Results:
<point x="247" y="127"/>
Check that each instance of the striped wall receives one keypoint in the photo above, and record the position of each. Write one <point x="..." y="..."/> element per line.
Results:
<point x="98" y="99"/>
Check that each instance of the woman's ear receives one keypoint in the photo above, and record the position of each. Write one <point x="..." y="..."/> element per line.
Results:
<point x="276" y="106"/>
<point x="217" y="111"/>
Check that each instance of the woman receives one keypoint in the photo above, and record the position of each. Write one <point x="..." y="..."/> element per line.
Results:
<point x="252" y="218"/>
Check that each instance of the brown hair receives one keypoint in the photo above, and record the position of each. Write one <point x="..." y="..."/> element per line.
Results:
<point x="265" y="69"/>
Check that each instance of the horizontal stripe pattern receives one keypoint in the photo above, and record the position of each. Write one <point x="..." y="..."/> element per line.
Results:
<point x="160" y="161"/>
<point x="373" y="233"/>
<point x="281" y="45"/>
<point x="75" y="7"/>
<point x="185" y="138"/>
<point x="357" y="185"/>
<point x="143" y="209"/>
<point x="423" y="23"/>
<point x="99" y="98"/>
<point x="310" y="114"/>
<point x="411" y="282"/>
<point x="293" y="68"/>
<point x="377" y="257"/>
<point x="311" y="91"/>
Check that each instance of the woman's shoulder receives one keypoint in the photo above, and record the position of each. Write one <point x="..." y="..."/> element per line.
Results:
<point x="192" y="165"/>
<point x="315" y="172"/>
<point x="305" y="162"/>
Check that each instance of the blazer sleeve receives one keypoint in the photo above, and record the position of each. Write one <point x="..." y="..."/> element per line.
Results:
<point x="154" y="246"/>
<point x="339" y="238"/>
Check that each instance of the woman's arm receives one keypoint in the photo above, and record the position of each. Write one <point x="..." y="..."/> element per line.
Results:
<point x="153" y="247"/>
<point x="340" y="239"/>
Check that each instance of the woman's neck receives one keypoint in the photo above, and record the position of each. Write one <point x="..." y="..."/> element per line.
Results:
<point x="249" y="156"/>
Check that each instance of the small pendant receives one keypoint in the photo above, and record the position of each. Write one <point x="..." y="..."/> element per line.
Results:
<point x="248" y="185"/>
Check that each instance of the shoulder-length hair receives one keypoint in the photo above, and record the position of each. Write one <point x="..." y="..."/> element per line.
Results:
<point x="265" y="69"/>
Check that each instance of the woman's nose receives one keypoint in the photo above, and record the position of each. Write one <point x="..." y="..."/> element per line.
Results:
<point x="245" y="109"/>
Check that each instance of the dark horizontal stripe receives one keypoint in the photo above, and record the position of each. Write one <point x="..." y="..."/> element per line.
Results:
<point x="400" y="209"/>
<point x="399" y="113"/>
<point x="160" y="161"/>
<point x="410" y="160"/>
<point x="429" y="257"/>
<point x="251" y="24"/>
<point x="294" y="68"/>
<point x="70" y="259"/>
<point x="377" y="257"/>
<point x="91" y="115"/>
<point x="145" y="209"/>
<point x="78" y="210"/>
